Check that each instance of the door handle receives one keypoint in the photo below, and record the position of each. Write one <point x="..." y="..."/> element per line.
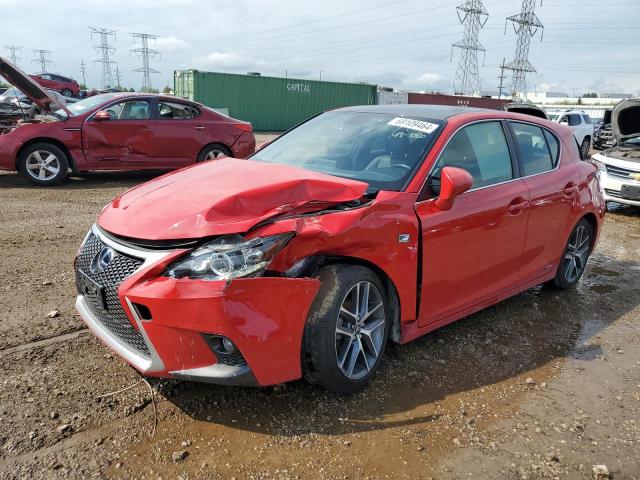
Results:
<point x="517" y="206"/>
<point x="569" y="188"/>
<point x="199" y="127"/>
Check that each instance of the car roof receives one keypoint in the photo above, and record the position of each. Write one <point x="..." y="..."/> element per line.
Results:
<point x="434" y="112"/>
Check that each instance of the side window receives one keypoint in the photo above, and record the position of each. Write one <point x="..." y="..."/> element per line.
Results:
<point x="176" y="111"/>
<point x="482" y="150"/>
<point x="554" y="147"/>
<point x="532" y="148"/>
<point x="574" y="120"/>
<point x="46" y="76"/>
<point x="135" y="110"/>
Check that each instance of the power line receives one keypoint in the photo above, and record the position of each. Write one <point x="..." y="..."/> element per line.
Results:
<point x="146" y="53"/>
<point x="473" y="16"/>
<point x="13" y="55"/>
<point x="526" y="24"/>
<point x="41" y="58"/>
<point x="105" y="51"/>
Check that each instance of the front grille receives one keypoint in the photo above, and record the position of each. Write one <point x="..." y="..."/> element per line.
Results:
<point x="619" y="172"/>
<point x="113" y="316"/>
<point x="612" y="193"/>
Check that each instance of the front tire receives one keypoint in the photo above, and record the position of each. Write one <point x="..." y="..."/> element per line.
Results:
<point x="347" y="329"/>
<point x="575" y="256"/>
<point x="43" y="164"/>
<point x="585" y="147"/>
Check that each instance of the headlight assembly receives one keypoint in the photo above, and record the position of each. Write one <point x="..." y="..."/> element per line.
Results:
<point x="598" y="164"/>
<point x="229" y="257"/>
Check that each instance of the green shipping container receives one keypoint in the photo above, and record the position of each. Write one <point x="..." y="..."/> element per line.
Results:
<point x="269" y="103"/>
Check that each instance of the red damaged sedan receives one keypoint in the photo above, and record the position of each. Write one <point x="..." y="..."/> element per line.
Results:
<point x="360" y="226"/>
<point x="114" y="131"/>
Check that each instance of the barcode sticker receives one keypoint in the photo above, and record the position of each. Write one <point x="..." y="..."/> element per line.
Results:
<point x="411" y="124"/>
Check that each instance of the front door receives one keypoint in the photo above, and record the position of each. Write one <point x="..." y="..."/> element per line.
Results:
<point x="473" y="252"/>
<point x="125" y="141"/>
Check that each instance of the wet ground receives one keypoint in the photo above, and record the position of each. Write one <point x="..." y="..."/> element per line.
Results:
<point x="543" y="385"/>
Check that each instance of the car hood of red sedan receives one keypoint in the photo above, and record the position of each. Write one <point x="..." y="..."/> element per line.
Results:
<point x="221" y="197"/>
<point x="26" y="85"/>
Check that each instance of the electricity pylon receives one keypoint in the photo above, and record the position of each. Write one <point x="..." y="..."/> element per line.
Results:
<point x="105" y="51"/>
<point x="146" y="53"/>
<point x="41" y="58"/>
<point x="473" y="16"/>
<point x="13" y="55"/>
<point x="526" y="24"/>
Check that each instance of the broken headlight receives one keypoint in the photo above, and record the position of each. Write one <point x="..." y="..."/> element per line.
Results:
<point x="229" y="257"/>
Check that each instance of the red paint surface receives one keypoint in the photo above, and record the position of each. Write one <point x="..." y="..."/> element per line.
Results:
<point x="493" y="243"/>
<point x="132" y="144"/>
<point x="58" y="86"/>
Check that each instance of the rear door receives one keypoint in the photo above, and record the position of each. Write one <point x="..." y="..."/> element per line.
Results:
<point x="179" y="131"/>
<point x="474" y="251"/>
<point x="553" y="189"/>
<point x="126" y="141"/>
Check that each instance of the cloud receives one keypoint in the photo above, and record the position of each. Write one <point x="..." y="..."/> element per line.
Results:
<point x="171" y="44"/>
<point x="226" y="61"/>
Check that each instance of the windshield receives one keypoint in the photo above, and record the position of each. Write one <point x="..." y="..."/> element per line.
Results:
<point x="377" y="148"/>
<point x="632" y="141"/>
<point x="553" y="116"/>
<point x="83" y="106"/>
<point x="11" y="92"/>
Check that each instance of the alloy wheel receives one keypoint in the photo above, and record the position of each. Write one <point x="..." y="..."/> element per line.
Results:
<point x="214" y="154"/>
<point x="42" y="165"/>
<point x="360" y="330"/>
<point x="575" y="258"/>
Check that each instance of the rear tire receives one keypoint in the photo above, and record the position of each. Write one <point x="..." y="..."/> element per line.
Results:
<point x="345" y="335"/>
<point x="584" y="148"/>
<point x="67" y="93"/>
<point x="213" y="152"/>
<point x="575" y="256"/>
<point x="43" y="164"/>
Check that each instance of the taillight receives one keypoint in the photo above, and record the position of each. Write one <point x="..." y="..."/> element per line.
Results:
<point x="246" y="127"/>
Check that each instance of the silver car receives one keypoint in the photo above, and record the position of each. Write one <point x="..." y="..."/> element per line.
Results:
<point x="15" y="105"/>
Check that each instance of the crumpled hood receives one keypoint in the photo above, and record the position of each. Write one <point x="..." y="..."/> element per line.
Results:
<point x="220" y="197"/>
<point x="29" y="87"/>
<point x="625" y="119"/>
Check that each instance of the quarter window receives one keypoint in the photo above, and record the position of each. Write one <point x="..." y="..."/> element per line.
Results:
<point x="482" y="150"/>
<point x="535" y="154"/>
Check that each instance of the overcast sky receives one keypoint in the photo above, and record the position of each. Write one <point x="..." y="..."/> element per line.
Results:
<point x="588" y="45"/>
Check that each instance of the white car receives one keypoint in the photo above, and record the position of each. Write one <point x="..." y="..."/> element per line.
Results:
<point x="619" y="166"/>
<point x="580" y="123"/>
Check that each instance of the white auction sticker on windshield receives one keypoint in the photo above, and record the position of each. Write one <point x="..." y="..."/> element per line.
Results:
<point x="411" y="124"/>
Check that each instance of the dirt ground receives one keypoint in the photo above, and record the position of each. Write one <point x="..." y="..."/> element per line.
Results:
<point x="543" y="385"/>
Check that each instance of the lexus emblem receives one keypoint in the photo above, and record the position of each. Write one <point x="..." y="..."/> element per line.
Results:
<point x="102" y="260"/>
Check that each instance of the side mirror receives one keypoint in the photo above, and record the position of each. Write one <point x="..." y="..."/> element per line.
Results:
<point x="102" y="116"/>
<point x="453" y="182"/>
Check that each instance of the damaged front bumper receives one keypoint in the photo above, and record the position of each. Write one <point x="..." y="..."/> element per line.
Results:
<point x="163" y="326"/>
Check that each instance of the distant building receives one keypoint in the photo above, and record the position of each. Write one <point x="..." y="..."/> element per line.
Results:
<point x="621" y="96"/>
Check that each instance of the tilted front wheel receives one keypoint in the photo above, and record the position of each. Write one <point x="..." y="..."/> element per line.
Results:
<point x="584" y="148"/>
<point x="576" y="253"/>
<point x="347" y="329"/>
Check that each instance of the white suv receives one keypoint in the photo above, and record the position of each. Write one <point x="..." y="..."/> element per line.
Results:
<point x="619" y="166"/>
<point x="580" y="123"/>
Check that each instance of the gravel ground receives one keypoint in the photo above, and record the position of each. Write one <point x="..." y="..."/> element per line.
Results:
<point x="543" y="385"/>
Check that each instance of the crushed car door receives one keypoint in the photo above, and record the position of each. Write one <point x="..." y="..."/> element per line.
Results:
<point x="124" y="137"/>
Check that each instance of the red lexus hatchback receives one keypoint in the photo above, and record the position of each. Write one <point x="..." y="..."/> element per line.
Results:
<point x="114" y="131"/>
<point x="361" y="225"/>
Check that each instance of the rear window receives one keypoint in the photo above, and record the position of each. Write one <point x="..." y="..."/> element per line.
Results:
<point x="535" y="153"/>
